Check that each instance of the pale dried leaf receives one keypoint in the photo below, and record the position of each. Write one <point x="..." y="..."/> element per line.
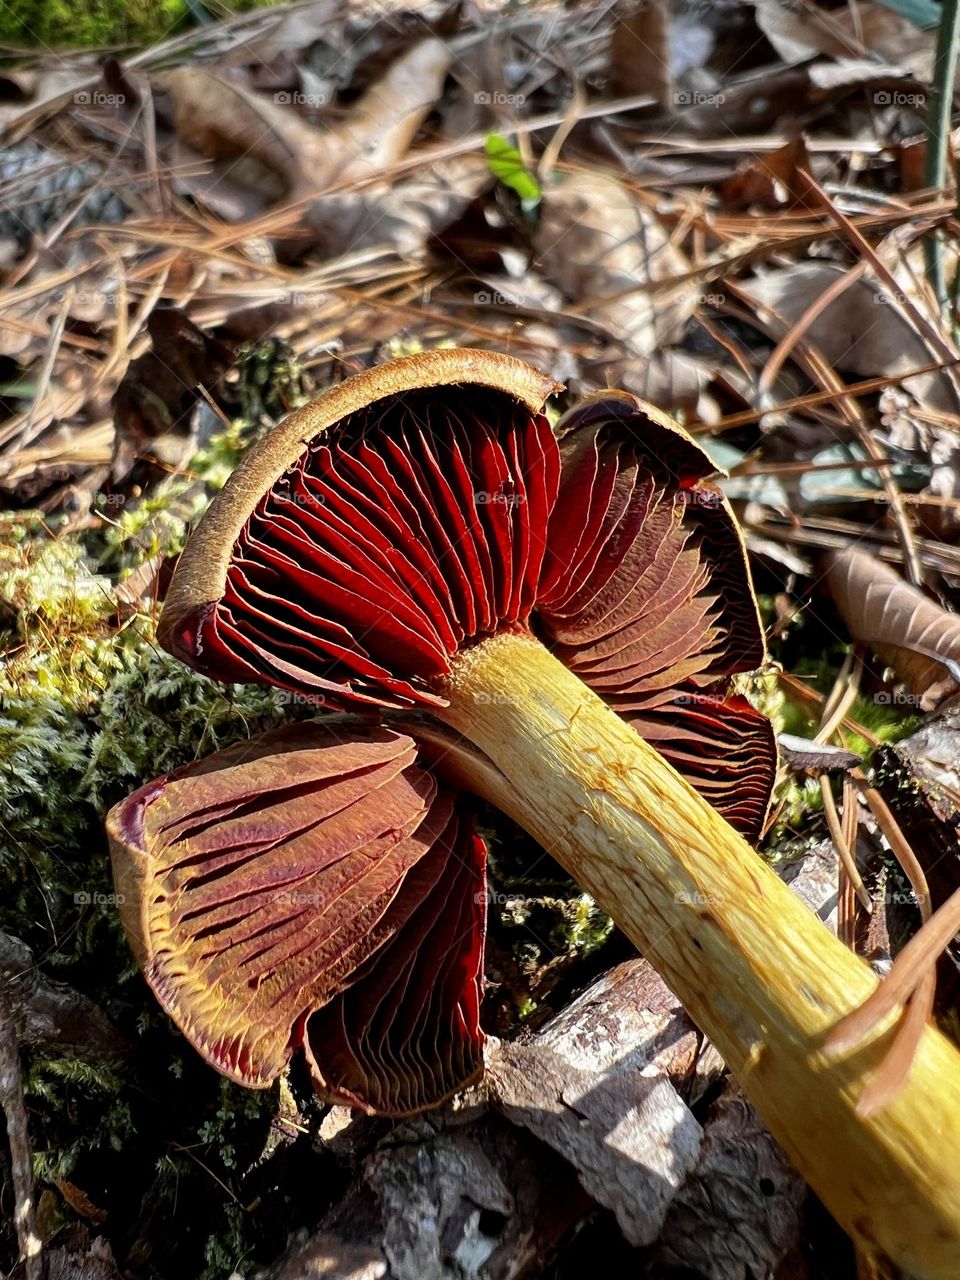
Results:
<point x="223" y="120"/>
<point x="908" y="630"/>
<point x="863" y="331"/>
<point x="402" y="216"/>
<point x="602" y="248"/>
<point x="801" y="31"/>
<point x="802" y="753"/>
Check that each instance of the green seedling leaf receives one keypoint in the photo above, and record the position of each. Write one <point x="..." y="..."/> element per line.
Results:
<point x="506" y="165"/>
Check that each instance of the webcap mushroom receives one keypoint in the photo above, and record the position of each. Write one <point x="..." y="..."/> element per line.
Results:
<point x="419" y="543"/>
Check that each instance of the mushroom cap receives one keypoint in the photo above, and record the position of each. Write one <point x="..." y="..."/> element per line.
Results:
<point x="312" y="888"/>
<point x="423" y="505"/>
<point x="647" y="596"/>
<point x="202" y="572"/>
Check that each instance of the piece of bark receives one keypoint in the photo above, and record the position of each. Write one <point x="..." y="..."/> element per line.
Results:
<point x="480" y="1201"/>
<point x="919" y="778"/>
<point x="21" y="1158"/>
<point x="738" y="1215"/>
<point x="813" y="876"/>
<point x="463" y="1195"/>
<point x="48" y="1014"/>
<point x="73" y="1255"/>
<point x="596" y="1086"/>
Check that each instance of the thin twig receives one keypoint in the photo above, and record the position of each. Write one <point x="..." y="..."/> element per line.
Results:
<point x="844" y="852"/>
<point x="906" y="973"/>
<point x="21" y="1162"/>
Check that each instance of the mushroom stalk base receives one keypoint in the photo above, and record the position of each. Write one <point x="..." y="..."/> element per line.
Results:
<point x="752" y="964"/>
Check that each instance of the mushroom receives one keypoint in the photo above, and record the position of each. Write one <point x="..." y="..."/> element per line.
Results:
<point x="532" y="610"/>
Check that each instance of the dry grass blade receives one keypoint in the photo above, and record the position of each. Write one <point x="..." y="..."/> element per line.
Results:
<point x="814" y="398"/>
<point x="847" y="906"/>
<point x="918" y="998"/>
<point x="842" y="846"/>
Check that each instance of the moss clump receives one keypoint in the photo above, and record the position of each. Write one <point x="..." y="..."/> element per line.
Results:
<point x="84" y="23"/>
<point x="66" y="23"/>
<point x="90" y="708"/>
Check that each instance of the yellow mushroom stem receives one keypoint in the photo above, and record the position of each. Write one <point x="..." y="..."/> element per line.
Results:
<point x="752" y="964"/>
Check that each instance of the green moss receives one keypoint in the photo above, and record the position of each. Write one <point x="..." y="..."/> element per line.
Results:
<point x="67" y="23"/>
<point x="271" y="383"/>
<point x="90" y="708"/>
<point x="79" y="23"/>
<point x="67" y="1087"/>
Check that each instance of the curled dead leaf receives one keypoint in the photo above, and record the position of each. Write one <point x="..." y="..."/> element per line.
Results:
<point x="802" y="31"/>
<point x="906" y="629"/>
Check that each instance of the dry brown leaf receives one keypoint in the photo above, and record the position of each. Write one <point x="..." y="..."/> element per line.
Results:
<point x="79" y="1201"/>
<point x="402" y="215"/>
<point x="225" y="121"/>
<point x="863" y="331"/>
<point x="601" y="248"/>
<point x="906" y="629"/>
<point x="640" y="51"/>
<point x="799" y="31"/>
<point x="771" y="179"/>
<point x="37" y="92"/>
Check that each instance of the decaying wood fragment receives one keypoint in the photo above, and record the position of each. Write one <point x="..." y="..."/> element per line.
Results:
<point x="48" y="1014"/>
<point x="597" y="1086"/>
<point x="738" y="1214"/>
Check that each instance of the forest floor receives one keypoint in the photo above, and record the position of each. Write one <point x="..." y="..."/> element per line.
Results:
<point x="723" y="208"/>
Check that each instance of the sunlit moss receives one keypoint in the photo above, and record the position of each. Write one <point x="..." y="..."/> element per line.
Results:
<point x="59" y="24"/>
